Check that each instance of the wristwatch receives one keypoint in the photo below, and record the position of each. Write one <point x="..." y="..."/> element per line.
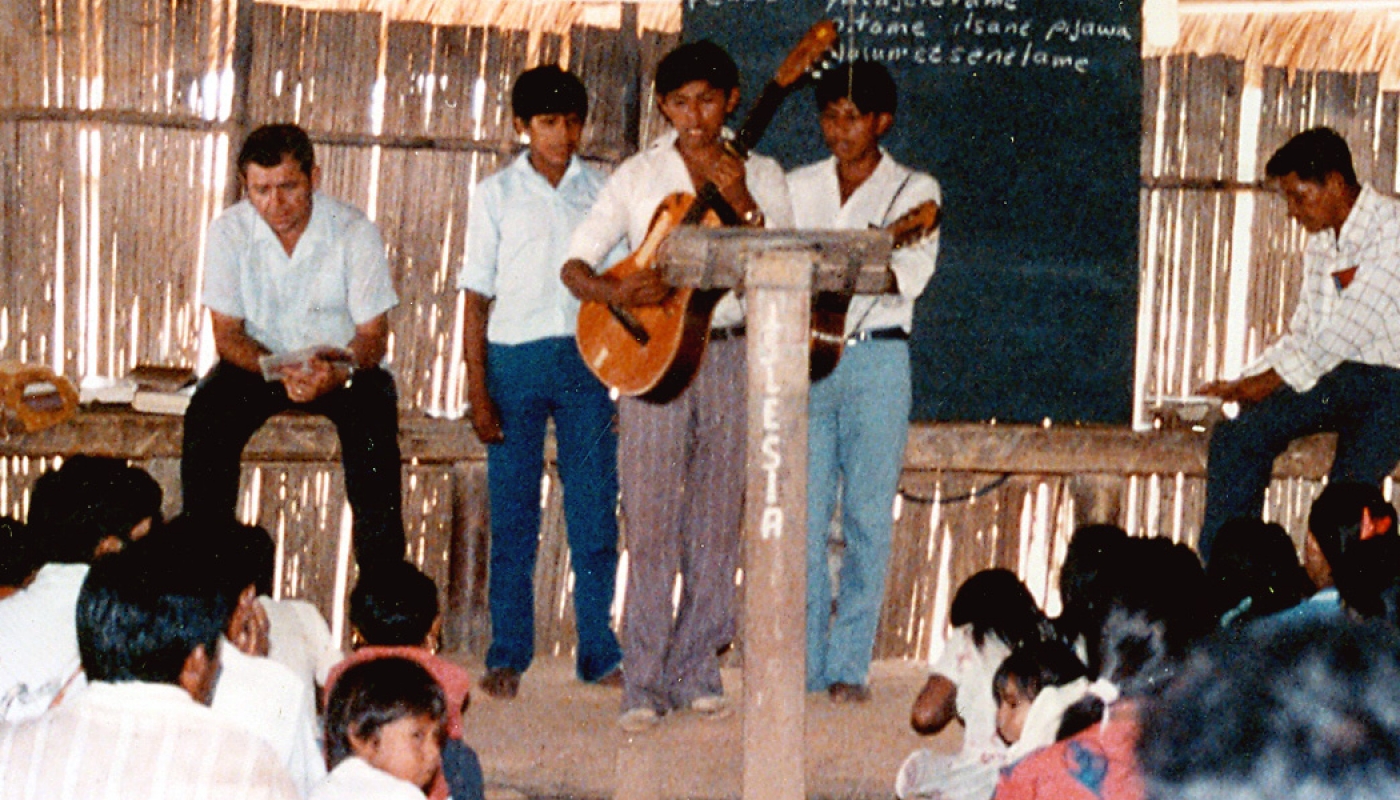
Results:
<point x="753" y="218"/>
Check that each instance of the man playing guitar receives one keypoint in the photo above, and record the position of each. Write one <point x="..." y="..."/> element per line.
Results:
<point x="682" y="491"/>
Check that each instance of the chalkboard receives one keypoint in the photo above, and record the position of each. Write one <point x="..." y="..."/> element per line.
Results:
<point x="1029" y="114"/>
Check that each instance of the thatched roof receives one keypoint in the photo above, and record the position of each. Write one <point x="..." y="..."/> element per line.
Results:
<point x="549" y="16"/>
<point x="1354" y="36"/>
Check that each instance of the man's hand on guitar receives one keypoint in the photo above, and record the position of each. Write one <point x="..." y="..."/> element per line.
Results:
<point x="728" y="175"/>
<point x="642" y="288"/>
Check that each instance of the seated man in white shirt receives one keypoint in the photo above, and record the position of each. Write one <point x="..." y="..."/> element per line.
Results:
<point x="88" y="508"/>
<point x="148" y="629"/>
<point x="292" y="272"/>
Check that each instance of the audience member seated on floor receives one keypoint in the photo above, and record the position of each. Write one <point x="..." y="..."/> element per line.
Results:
<point x="384" y="729"/>
<point x="1307" y="709"/>
<point x="148" y="628"/>
<point x="18" y="561"/>
<point x="298" y="636"/>
<point x="1086" y="584"/>
<point x="1151" y="624"/>
<point x="992" y="613"/>
<point x="1255" y="572"/>
<point x="262" y="696"/>
<point x="87" y="508"/>
<point x="394" y="614"/>
<point x="1362" y="547"/>
<point x="1033" y="687"/>
<point x="1343" y="514"/>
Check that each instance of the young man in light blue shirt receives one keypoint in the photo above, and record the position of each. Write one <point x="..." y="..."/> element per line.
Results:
<point x="523" y="367"/>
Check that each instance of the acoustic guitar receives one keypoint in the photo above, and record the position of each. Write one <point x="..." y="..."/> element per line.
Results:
<point x="653" y="352"/>
<point x="828" y="324"/>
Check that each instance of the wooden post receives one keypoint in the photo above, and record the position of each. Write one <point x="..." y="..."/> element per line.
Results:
<point x="775" y="526"/>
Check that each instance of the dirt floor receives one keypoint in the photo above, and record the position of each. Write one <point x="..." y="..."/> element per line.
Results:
<point x="559" y="739"/>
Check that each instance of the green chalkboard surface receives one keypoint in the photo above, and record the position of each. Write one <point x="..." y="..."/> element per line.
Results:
<point x="1028" y="113"/>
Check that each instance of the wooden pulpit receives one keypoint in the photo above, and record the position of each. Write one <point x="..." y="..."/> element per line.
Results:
<point x="777" y="271"/>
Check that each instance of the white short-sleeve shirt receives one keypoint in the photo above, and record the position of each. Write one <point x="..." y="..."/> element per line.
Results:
<point x="518" y="228"/>
<point x="336" y="278"/>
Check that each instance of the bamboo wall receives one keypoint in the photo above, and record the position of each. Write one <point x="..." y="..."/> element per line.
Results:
<point x="116" y="121"/>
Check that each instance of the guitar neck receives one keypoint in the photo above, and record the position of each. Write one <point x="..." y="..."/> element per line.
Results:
<point x="755" y="124"/>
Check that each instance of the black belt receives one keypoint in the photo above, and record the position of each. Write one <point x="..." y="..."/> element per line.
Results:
<point x="895" y="334"/>
<point x="725" y="334"/>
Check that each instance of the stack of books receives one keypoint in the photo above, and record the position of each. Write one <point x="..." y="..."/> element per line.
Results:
<point x="149" y="388"/>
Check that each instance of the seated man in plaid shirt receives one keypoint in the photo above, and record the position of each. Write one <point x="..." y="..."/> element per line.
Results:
<point x="1338" y="367"/>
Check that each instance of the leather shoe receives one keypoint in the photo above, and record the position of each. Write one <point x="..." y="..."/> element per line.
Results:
<point x="848" y="693"/>
<point x="502" y="683"/>
<point x="612" y="679"/>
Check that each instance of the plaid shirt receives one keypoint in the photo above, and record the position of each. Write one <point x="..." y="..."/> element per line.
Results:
<point x="1359" y="322"/>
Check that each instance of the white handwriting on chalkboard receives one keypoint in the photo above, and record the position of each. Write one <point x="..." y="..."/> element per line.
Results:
<point x="862" y="23"/>
<point x="981" y="26"/>
<point x="943" y="54"/>
<point x="1086" y="29"/>
<point x="899" y="5"/>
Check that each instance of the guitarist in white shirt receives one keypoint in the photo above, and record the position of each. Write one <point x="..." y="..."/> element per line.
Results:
<point x="680" y="462"/>
<point x="858" y="415"/>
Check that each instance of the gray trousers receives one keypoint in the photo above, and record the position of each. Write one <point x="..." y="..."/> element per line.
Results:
<point x="681" y="469"/>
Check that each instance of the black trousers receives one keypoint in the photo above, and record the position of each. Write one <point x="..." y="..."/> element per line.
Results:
<point x="231" y="403"/>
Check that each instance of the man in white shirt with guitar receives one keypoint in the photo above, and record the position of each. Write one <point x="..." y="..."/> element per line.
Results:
<point x="858" y="417"/>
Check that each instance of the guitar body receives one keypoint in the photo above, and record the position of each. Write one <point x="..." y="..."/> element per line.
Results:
<point x="828" y="329"/>
<point x="651" y="352"/>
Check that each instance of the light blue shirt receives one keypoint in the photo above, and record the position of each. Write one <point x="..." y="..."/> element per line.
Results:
<point x="518" y="230"/>
<point x="336" y="278"/>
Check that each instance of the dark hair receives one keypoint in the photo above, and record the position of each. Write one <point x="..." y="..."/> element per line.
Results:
<point x="74" y="508"/>
<point x="222" y="549"/>
<point x="995" y="601"/>
<point x="375" y="693"/>
<point x="269" y="145"/>
<point x="18" y="561"/>
<point x="143" y="611"/>
<point x="394" y="605"/>
<point x="1335" y="517"/>
<point x="867" y="84"/>
<point x="1256" y="560"/>
<point x="548" y="89"/>
<point x="1303" y="710"/>
<point x="1092" y="560"/>
<point x="1160" y="608"/>
<point x="1034" y="666"/>
<point x="698" y="61"/>
<point x="1311" y="155"/>
<point x="258" y="554"/>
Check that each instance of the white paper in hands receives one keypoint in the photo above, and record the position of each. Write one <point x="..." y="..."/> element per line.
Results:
<point x="280" y="366"/>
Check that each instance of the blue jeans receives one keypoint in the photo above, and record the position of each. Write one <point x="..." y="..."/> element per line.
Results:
<point x="530" y="383"/>
<point x="858" y="423"/>
<point x="1360" y="402"/>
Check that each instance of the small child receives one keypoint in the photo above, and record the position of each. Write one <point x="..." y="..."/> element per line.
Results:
<point x="1033" y="687"/>
<point x="384" y="724"/>
<point x="394" y="614"/>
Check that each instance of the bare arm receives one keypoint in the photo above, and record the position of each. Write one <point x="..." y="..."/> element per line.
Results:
<point x="233" y="344"/>
<point x="935" y="707"/>
<point x="485" y="417"/>
<point x="1250" y="389"/>
<point x="641" y="288"/>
